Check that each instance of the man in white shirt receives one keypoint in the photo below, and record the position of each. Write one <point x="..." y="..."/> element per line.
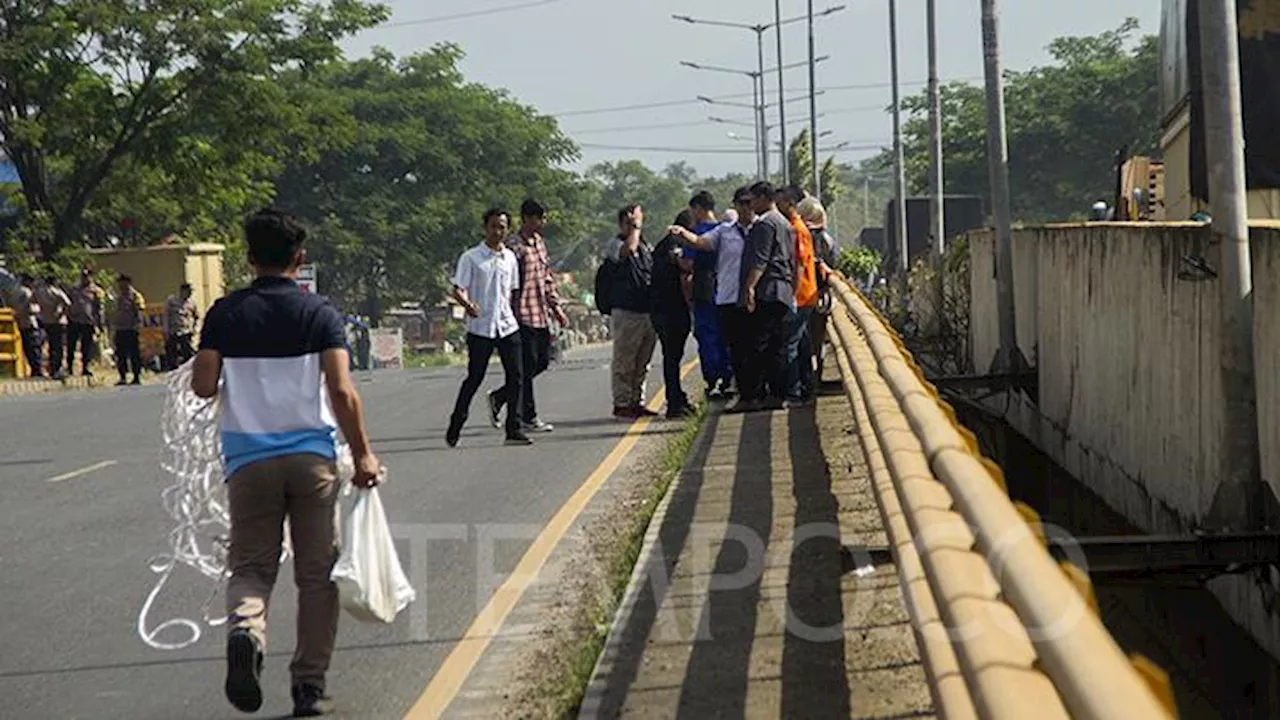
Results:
<point x="486" y="278"/>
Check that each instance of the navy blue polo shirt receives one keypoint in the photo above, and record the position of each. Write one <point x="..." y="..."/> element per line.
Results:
<point x="271" y="336"/>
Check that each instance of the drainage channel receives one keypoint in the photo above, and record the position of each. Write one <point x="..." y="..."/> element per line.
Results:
<point x="1216" y="668"/>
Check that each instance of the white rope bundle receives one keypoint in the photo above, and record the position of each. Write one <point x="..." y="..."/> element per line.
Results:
<point x="196" y="500"/>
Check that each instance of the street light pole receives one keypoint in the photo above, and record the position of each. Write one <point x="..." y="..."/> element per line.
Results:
<point x="899" y="161"/>
<point x="782" y="105"/>
<point x="813" y="111"/>
<point x="937" y="206"/>
<point x="1239" y="502"/>
<point x="1009" y="357"/>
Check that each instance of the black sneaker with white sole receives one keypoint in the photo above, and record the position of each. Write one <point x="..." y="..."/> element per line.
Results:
<point x="310" y="701"/>
<point x="244" y="670"/>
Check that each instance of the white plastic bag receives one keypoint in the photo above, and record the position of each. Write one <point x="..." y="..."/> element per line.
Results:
<point x="371" y="585"/>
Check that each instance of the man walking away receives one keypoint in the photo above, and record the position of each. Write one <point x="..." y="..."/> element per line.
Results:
<point x="670" y="313"/>
<point x="712" y="353"/>
<point x="769" y="299"/>
<point x="26" y="311"/>
<point x="180" y="320"/>
<point x="727" y="242"/>
<point x="126" y="323"/>
<point x="54" y="305"/>
<point x="632" y="330"/>
<point x="487" y="277"/>
<point x="800" y="383"/>
<point x="277" y="350"/>
<point x="84" y="319"/>
<point x="537" y="302"/>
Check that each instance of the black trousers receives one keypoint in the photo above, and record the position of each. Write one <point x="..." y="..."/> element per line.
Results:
<point x="535" y="355"/>
<point x="479" y="351"/>
<point x="673" y="331"/>
<point x="177" y="350"/>
<point x="81" y="334"/>
<point x="764" y="368"/>
<point x="736" y="328"/>
<point x="33" y="349"/>
<point x="128" y="353"/>
<point x="56" y="334"/>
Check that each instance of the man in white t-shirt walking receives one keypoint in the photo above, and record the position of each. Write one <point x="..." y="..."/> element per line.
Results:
<point x="487" y="277"/>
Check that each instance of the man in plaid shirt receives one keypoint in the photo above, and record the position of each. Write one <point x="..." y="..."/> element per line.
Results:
<point x="536" y="303"/>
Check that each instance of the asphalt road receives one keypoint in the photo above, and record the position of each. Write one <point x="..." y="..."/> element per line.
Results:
<point x="74" y="552"/>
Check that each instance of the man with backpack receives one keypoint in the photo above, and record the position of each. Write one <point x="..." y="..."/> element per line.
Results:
<point x="622" y="292"/>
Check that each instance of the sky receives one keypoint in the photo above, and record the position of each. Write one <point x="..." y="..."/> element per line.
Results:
<point x="574" y="59"/>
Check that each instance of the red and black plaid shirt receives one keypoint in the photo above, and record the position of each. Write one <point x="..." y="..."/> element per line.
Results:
<point x="538" y="296"/>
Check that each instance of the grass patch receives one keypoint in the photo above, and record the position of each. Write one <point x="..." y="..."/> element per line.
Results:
<point x="560" y="694"/>
<point x="426" y="361"/>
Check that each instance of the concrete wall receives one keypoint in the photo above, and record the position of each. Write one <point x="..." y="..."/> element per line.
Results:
<point x="984" y="321"/>
<point x="1130" y="389"/>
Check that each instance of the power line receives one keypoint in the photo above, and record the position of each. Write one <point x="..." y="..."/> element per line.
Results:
<point x="627" y="128"/>
<point x="719" y="151"/>
<point x="736" y="96"/>
<point x="465" y="15"/>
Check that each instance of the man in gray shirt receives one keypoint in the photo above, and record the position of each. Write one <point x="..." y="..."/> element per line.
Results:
<point x="768" y="295"/>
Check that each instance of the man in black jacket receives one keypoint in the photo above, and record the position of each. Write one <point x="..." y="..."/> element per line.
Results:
<point x="769" y="297"/>
<point x="632" y="329"/>
<point x="670" y="312"/>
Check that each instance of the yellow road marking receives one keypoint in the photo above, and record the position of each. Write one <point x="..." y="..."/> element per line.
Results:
<point x="82" y="471"/>
<point x="457" y="667"/>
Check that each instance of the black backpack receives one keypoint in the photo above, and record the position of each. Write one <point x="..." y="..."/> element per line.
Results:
<point x="604" y="287"/>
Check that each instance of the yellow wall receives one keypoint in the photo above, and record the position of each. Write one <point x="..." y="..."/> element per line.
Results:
<point x="158" y="271"/>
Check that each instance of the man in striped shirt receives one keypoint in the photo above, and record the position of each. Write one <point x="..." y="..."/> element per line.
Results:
<point x="280" y="357"/>
<point x="537" y="303"/>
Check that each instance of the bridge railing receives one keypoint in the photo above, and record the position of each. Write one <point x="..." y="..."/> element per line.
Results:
<point x="1005" y="631"/>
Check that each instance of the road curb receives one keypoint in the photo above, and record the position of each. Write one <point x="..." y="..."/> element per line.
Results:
<point x="650" y="556"/>
<point x="37" y="386"/>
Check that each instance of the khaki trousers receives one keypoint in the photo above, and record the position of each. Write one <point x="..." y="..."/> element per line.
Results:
<point x="633" y="343"/>
<point x="303" y="488"/>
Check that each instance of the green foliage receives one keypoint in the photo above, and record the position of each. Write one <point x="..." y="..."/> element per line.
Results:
<point x="1066" y="122"/>
<point x="800" y="161"/>
<point x="858" y="263"/>
<point x="414" y="156"/>
<point x="168" y="112"/>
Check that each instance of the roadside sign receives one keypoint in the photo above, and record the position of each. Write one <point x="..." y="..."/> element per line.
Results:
<point x="388" y="348"/>
<point x="307" y="278"/>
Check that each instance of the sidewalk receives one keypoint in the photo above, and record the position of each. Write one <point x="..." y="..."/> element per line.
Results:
<point x="752" y="533"/>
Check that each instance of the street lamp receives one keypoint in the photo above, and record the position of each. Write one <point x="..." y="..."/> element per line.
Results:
<point x="760" y="29"/>
<point x="753" y="108"/>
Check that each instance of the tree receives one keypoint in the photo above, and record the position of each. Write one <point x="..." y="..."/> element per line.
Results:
<point x="1066" y="121"/>
<point x="800" y="160"/>
<point x="416" y="155"/>
<point x="153" y="96"/>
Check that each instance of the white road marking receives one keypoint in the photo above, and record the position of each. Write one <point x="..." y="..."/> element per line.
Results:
<point x="83" y="471"/>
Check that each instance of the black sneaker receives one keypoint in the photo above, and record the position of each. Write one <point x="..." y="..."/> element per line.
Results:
<point x="518" y="439"/>
<point x="453" y="434"/>
<point x="244" y="668"/>
<point x="681" y="412"/>
<point x="495" y="410"/>
<point x="310" y="701"/>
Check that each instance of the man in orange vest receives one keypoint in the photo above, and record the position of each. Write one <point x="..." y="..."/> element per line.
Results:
<point x="800" y="382"/>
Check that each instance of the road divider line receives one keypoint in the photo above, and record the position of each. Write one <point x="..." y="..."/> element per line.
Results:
<point x="455" y="670"/>
<point x="82" y="471"/>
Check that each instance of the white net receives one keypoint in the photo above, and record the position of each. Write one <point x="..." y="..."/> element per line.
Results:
<point x="195" y="499"/>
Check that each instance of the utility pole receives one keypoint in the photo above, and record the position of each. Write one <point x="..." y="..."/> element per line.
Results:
<point x="1008" y="356"/>
<point x="782" y="97"/>
<point x="813" y="111"/>
<point x="937" y="207"/>
<point x="1239" y="500"/>
<point x="763" y="136"/>
<point x="899" y="162"/>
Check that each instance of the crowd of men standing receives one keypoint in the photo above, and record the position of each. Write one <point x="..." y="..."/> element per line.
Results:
<point x="68" y="320"/>
<point x="751" y="284"/>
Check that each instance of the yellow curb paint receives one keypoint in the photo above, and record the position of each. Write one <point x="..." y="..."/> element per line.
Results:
<point x="462" y="660"/>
